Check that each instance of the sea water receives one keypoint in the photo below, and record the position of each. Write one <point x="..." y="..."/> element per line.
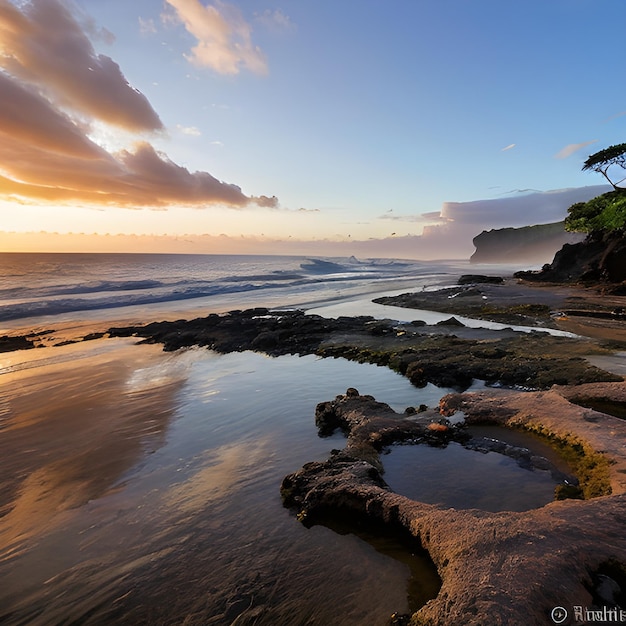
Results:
<point x="40" y="290"/>
<point x="101" y="286"/>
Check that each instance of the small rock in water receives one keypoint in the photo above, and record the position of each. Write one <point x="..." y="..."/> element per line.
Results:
<point x="451" y="321"/>
<point x="468" y="279"/>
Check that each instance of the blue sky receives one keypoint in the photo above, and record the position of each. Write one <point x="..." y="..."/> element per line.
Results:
<point x="338" y="115"/>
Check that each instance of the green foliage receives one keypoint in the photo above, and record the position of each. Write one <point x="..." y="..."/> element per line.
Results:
<point x="612" y="154"/>
<point x="590" y="467"/>
<point x="601" y="161"/>
<point x="606" y="212"/>
<point x="533" y="310"/>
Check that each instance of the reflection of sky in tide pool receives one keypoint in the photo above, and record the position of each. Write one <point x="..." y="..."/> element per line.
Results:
<point x="404" y="314"/>
<point x="146" y="489"/>
<point x="465" y="479"/>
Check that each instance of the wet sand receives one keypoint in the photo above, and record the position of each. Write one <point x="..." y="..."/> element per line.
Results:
<point x="501" y="299"/>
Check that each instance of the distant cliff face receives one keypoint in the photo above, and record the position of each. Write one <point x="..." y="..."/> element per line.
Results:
<point x="529" y="244"/>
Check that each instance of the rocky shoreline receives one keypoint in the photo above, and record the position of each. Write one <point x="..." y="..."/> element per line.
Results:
<point x="424" y="354"/>
<point x="495" y="568"/>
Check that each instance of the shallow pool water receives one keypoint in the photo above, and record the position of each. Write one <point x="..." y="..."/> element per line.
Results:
<point x="603" y="405"/>
<point x="142" y="487"/>
<point x="456" y="477"/>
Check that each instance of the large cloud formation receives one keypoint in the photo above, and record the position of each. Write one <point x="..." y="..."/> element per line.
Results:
<point x="54" y="86"/>
<point x="518" y="210"/>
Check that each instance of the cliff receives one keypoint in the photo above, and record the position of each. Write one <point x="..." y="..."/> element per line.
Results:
<point x="529" y="244"/>
<point x="599" y="259"/>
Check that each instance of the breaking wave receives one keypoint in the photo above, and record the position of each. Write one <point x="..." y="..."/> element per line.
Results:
<point x="63" y="285"/>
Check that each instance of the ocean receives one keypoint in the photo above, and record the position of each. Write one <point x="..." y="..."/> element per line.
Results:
<point x="142" y="487"/>
<point x="102" y="286"/>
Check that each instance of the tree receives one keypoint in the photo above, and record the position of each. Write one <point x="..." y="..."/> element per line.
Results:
<point x="601" y="162"/>
<point x="607" y="212"/>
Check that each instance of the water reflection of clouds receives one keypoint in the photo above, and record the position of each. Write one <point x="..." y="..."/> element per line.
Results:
<point x="20" y="360"/>
<point x="202" y="515"/>
<point x="71" y="431"/>
<point x="222" y="472"/>
<point x="173" y="368"/>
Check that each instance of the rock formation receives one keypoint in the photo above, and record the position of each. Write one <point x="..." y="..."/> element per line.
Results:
<point x="424" y="354"/>
<point x="599" y="259"/>
<point x="529" y="244"/>
<point x="503" y="568"/>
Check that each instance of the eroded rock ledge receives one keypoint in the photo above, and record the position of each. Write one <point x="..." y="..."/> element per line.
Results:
<point x="445" y="355"/>
<point x="496" y="568"/>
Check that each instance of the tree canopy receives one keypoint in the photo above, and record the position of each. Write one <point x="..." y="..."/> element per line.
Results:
<point x="606" y="212"/>
<point x="604" y="159"/>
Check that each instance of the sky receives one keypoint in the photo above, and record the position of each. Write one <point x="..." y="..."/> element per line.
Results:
<point x="295" y="126"/>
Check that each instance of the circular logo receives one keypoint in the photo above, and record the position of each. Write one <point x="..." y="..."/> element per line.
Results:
<point x="558" y="614"/>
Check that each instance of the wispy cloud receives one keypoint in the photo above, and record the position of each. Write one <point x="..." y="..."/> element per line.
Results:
<point x="55" y="90"/>
<point x="432" y="216"/>
<point x="509" y="147"/>
<point x="224" y="37"/>
<point x="522" y="191"/>
<point x="276" y="20"/>
<point x="402" y="218"/>
<point x="192" y="131"/>
<point x="571" y="148"/>
<point x="147" y="26"/>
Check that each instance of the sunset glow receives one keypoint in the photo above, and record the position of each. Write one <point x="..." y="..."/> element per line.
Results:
<point x="304" y="123"/>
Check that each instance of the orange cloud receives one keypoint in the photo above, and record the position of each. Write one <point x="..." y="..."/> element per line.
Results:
<point x="28" y="119"/>
<point x="53" y="86"/>
<point x="44" y="40"/>
<point x="224" y="37"/>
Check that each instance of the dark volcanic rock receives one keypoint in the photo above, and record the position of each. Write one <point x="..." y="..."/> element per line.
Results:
<point x="273" y="332"/>
<point x="370" y="426"/>
<point x="530" y="360"/>
<point x="488" y="301"/>
<point x="284" y="332"/>
<point x="600" y="258"/>
<point x="471" y="279"/>
<point x="8" y="344"/>
<point x="451" y="321"/>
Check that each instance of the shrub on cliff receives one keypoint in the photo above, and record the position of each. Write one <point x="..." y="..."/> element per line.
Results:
<point x="604" y="213"/>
